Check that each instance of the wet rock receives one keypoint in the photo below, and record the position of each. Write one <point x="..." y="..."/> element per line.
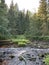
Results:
<point x="42" y="56"/>
<point x="11" y="56"/>
<point x="21" y="58"/>
<point x="39" y="55"/>
<point x="28" y="56"/>
<point x="37" y="63"/>
<point x="0" y="63"/>
<point x="32" y="59"/>
<point x="4" y="62"/>
<point x="43" y="63"/>
<point x="1" y="60"/>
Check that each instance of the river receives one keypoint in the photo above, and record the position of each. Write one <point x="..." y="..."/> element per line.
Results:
<point x="22" y="56"/>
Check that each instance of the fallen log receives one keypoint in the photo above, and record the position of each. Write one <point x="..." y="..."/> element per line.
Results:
<point x="5" y="42"/>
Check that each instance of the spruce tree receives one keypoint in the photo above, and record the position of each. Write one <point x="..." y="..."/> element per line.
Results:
<point x="11" y="18"/>
<point x="3" y="19"/>
<point x="3" y="13"/>
<point x="42" y="13"/>
<point x="21" y="22"/>
<point x="27" y="22"/>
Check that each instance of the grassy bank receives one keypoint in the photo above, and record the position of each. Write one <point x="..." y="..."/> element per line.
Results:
<point x="20" y="40"/>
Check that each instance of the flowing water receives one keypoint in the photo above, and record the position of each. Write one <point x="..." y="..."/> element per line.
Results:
<point x="22" y="56"/>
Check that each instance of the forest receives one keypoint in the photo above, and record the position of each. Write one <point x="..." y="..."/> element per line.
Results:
<point x="14" y="22"/>
<point x="24" y="35"/>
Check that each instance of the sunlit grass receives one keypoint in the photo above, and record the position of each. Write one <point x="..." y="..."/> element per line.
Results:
<point x="20" y="40"/>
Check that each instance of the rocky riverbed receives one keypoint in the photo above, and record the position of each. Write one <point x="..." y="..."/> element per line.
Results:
<point x="22" y="56"/>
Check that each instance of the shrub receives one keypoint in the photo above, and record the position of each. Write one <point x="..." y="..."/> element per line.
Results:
<point x="21" y="44"/>
<point x="40" y="38"/>
<point x="46" y="60"/>
<point x="4" y="33"/>
<point x="2" y="37"/>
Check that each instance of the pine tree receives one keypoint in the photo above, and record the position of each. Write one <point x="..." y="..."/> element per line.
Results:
<point x="3" y="7"/>
<point x="3" y="19"/>
<point x="27" y="22"/>
<point x="27" y="19"/>
<point x="12" y="19"/>
<point x="16" y="8"/>
<point x="42" y="13"/>
<point x="21" y="22"/>
<point x="3" y="12"/>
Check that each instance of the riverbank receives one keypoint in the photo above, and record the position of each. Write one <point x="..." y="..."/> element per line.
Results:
<point x="33" y="44"/>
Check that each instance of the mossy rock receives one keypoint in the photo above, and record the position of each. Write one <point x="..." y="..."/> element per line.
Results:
<point x="20" y="58"/>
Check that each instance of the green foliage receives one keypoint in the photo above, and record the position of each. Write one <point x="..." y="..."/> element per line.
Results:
<point x="21" y="37"/>
<point x="21" y="44"/>
<point x="38" y="27"/>
<point x="4" y="33"/>
<point x="21" y="23"/>
<point x="46" y="60"/>
<point x="12" y="19"/>
<point x="40" y="38"/>
<point x="42" y="9"/>
<point x="20" y="40"/>
<point x="2" y="37"/>
<point x="34" y="29"/>
<point x="18" y="23"/>
<point x="42" y="13"/>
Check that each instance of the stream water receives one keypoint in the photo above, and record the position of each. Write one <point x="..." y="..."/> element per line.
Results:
<point x="22" y="56"/>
